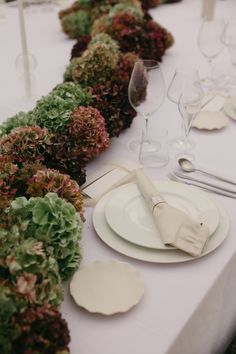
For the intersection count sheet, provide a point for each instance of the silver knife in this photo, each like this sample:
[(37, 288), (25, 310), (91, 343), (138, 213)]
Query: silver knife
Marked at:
[(210, 184), (200, 185)]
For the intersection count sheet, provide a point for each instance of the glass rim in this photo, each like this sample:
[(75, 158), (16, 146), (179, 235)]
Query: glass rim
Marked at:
[(155, 63)]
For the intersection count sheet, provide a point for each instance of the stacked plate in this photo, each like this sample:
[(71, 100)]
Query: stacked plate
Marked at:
[(123, 221)]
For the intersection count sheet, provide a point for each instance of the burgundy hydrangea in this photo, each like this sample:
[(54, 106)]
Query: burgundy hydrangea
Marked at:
[(111, 99), (64, 159), (25, 144), (80, 46), (8, 172), (87, 130), (50, 180), (144, 37), (125, 66), (40, 330)]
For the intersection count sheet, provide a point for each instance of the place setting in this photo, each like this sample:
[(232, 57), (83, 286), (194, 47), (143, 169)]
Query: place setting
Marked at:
[(123, 220)]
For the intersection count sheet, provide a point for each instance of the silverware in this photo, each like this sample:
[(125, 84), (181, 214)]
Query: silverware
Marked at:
[(210, 184), (175, 178), (187, 166)]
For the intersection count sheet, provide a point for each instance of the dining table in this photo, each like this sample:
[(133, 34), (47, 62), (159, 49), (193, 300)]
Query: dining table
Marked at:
[(187, 307)]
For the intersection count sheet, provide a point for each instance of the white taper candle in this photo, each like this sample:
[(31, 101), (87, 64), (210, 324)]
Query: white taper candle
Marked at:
[(24, 49)]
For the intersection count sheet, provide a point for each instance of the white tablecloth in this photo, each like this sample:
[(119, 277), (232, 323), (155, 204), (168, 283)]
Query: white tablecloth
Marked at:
[(187, 308)]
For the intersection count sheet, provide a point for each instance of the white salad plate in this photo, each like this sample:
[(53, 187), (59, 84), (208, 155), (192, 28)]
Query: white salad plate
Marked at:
[(128, 215), (107, 287), (230, 107), (114, 241)]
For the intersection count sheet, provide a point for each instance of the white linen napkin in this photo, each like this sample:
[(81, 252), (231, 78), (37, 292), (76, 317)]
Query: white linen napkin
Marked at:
[(176, 228)]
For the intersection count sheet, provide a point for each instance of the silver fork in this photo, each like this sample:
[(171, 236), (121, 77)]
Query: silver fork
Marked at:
[(203, 186)]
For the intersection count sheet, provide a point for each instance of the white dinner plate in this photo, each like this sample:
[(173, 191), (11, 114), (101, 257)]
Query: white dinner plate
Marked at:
[(128, 215), (110, 238), (230, 107), (107, 287)]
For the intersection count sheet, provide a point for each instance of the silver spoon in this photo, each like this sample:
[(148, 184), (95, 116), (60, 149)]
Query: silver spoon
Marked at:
[(187, 166)]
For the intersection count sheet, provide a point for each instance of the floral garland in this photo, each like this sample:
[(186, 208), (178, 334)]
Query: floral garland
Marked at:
[(43, 154)]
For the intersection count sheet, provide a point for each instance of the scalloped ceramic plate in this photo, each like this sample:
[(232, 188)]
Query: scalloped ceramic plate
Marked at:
[(107, 287), (230, 107), (210, 120)]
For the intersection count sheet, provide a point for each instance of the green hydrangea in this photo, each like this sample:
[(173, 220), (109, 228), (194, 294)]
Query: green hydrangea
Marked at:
[(73, 93), (76, 23), (106, 39), (55, 223), (53, 111), (124, 7), (67, 76), (30, 272), (21, 119), (95, 65)]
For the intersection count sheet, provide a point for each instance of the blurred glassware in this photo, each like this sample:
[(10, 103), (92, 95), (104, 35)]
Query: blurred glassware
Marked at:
[(229, 40), (210, 44), (158, 154), (190, 103), (146, 93), (175, 89)]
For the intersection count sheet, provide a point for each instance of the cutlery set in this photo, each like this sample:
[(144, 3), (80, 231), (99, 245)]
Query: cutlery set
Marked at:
[(184, 177)]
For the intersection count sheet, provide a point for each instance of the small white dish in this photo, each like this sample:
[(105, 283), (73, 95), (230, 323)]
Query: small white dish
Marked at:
[(111, 239), (107, 287), (230, 107), (128, 215), (210, 120)]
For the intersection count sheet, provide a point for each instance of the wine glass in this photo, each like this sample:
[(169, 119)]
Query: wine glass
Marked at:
[(210, 43), (229, 39), (189, 105), (175, 89), (146, 93)]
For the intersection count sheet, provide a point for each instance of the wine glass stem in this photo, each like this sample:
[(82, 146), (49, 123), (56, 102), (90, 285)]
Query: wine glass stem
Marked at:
[(145, 133), (209, 74)]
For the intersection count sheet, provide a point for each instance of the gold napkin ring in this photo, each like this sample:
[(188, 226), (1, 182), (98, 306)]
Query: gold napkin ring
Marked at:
[(155, 201)]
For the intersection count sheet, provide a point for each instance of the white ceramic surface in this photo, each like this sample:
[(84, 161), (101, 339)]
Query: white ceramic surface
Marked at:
[(210, 120), (153, 255), (128, 215), (107, 287), (230, 107)]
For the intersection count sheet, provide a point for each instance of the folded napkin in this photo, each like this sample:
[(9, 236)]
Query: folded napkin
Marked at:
[(109, 176), (176, 228)]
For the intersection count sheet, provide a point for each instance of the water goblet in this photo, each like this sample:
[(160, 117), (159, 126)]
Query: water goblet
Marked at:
[(174, 91), (189, 106), (146, 93), (229, 40), (210, 44)]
